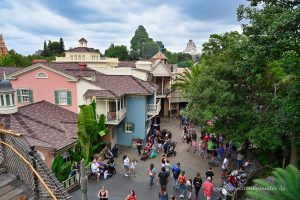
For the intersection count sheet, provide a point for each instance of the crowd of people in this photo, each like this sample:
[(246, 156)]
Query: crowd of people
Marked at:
[(207, 146)]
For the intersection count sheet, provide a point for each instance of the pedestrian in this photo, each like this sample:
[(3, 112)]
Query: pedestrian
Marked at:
[(239, 159), (95, 169), (202, 147), (131, 196), (225, 165), (176, 171), (132, 164), (163, 177), (151, 173), (159, 143), (210, 147), (163, 195), (173, 197), (103, 194), (168, 167), (182, 182), (220, 152), (208, 188), (139, 145), (189, 187), (209, 173), (194, 141), (197, 182), (188, 141), (153, 152), (126, 164)]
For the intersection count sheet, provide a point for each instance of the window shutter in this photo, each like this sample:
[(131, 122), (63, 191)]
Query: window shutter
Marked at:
[(30, 96), (56, 97), (19, 96), (133, 127), (69, 96)]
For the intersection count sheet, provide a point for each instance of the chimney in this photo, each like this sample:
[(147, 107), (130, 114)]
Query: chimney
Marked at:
[(35, 61), (82, 66)]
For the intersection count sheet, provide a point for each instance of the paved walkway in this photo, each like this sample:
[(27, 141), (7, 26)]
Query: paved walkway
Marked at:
[(119, 185)]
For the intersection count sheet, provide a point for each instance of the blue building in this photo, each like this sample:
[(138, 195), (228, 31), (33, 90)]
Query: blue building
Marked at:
[(128, 103)]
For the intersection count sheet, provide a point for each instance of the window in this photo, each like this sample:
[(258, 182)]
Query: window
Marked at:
[(62, 97), (7, 100), (129, 127), (75, 57), (24, 96), (2, 100), (42, 75), (71, 57), (79, 57), (83, 57)]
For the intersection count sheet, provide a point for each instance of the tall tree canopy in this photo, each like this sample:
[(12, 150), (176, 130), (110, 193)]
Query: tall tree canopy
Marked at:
[(116, 51), (250, 81)]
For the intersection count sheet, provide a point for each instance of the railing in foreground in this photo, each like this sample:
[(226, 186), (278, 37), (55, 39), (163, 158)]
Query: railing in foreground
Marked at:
[(20, 160)]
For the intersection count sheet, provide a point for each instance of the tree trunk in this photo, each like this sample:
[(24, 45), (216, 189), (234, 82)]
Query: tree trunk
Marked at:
[(294, 152)]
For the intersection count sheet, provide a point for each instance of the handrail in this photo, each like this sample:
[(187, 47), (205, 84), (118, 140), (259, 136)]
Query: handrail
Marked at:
[(9, 132), (32, 169)]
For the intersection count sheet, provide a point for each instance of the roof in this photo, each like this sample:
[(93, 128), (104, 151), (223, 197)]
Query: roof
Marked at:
[(8, 71), (123, 84), (130, 64), (83, 49), (100, 94), (159, 55), (82, 40), (71, 70), (43, 124), (5, 86)]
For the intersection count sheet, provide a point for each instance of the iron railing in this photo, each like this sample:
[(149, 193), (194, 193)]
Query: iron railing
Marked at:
[(24, 162)]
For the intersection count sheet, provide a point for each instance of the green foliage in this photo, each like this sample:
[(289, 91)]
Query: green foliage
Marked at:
[(55, 48), (60, 168), (89, 133), (161, 46), (250, 81), (285, 185), (140, 37), (116, 51), (149, 49)]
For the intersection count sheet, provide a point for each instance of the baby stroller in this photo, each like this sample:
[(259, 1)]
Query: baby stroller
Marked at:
[(146, 153), (171, 149)]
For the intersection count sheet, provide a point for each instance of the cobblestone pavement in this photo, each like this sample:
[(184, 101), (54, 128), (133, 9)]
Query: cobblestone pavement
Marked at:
[(119, 185)]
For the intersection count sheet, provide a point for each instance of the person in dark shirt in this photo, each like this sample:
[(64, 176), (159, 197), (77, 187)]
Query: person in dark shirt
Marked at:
[(209, 173), (163, 177), (197, 182)]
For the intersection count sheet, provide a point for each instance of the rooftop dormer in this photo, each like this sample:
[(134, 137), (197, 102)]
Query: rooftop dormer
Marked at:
[(82, 42), (7, 98)]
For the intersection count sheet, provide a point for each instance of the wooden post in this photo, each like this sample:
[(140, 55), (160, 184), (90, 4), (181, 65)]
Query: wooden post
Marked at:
[(83, 181)]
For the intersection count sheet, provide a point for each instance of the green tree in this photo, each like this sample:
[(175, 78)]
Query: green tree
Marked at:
[(183, 80), (89, 133), (45, 50), (116, 51), (161, 46), (140, 37), (61, 46), (149, 49), (60, 168), (285, 185)]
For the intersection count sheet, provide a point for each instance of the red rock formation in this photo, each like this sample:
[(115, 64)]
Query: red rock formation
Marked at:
[(3, 49)]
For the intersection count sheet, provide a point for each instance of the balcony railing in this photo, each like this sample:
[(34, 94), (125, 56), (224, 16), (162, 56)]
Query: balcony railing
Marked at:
[(159, 91), (116, 117), (99, 59), (153, 109)]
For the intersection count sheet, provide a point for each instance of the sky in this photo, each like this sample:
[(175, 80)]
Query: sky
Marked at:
[(25, 25)]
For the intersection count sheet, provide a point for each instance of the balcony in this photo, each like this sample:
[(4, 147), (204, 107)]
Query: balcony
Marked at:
[(160, 92), (116, 117), (153, 109)]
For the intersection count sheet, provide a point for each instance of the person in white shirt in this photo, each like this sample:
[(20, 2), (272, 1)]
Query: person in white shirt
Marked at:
[(126, 164), (225, 165), (95, 169)]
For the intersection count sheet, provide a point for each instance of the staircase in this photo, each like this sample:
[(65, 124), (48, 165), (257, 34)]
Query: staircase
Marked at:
[(11, 188)]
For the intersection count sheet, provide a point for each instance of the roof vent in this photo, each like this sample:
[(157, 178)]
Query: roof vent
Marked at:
[(82, 66), (35, 61)]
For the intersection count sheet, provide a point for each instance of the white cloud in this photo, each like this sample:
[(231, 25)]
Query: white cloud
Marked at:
[(28, 24)]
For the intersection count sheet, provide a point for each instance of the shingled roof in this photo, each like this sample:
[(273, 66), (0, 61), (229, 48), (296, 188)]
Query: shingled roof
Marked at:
[(8, 70), (83, 49), (130, 64), (43, 124)]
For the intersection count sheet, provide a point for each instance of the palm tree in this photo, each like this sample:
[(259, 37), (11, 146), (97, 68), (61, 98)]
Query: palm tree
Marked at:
[(183, 80), (286, 185)]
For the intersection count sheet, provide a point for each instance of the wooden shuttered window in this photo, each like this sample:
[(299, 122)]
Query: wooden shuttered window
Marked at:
[(63, 97), (25, 96), (69, 96), (56, 97), (19, 96), (30, 99)]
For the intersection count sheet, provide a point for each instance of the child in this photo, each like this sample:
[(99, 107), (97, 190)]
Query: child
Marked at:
[(202, 149), (153, 152), (189, 188), (132, 165)]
